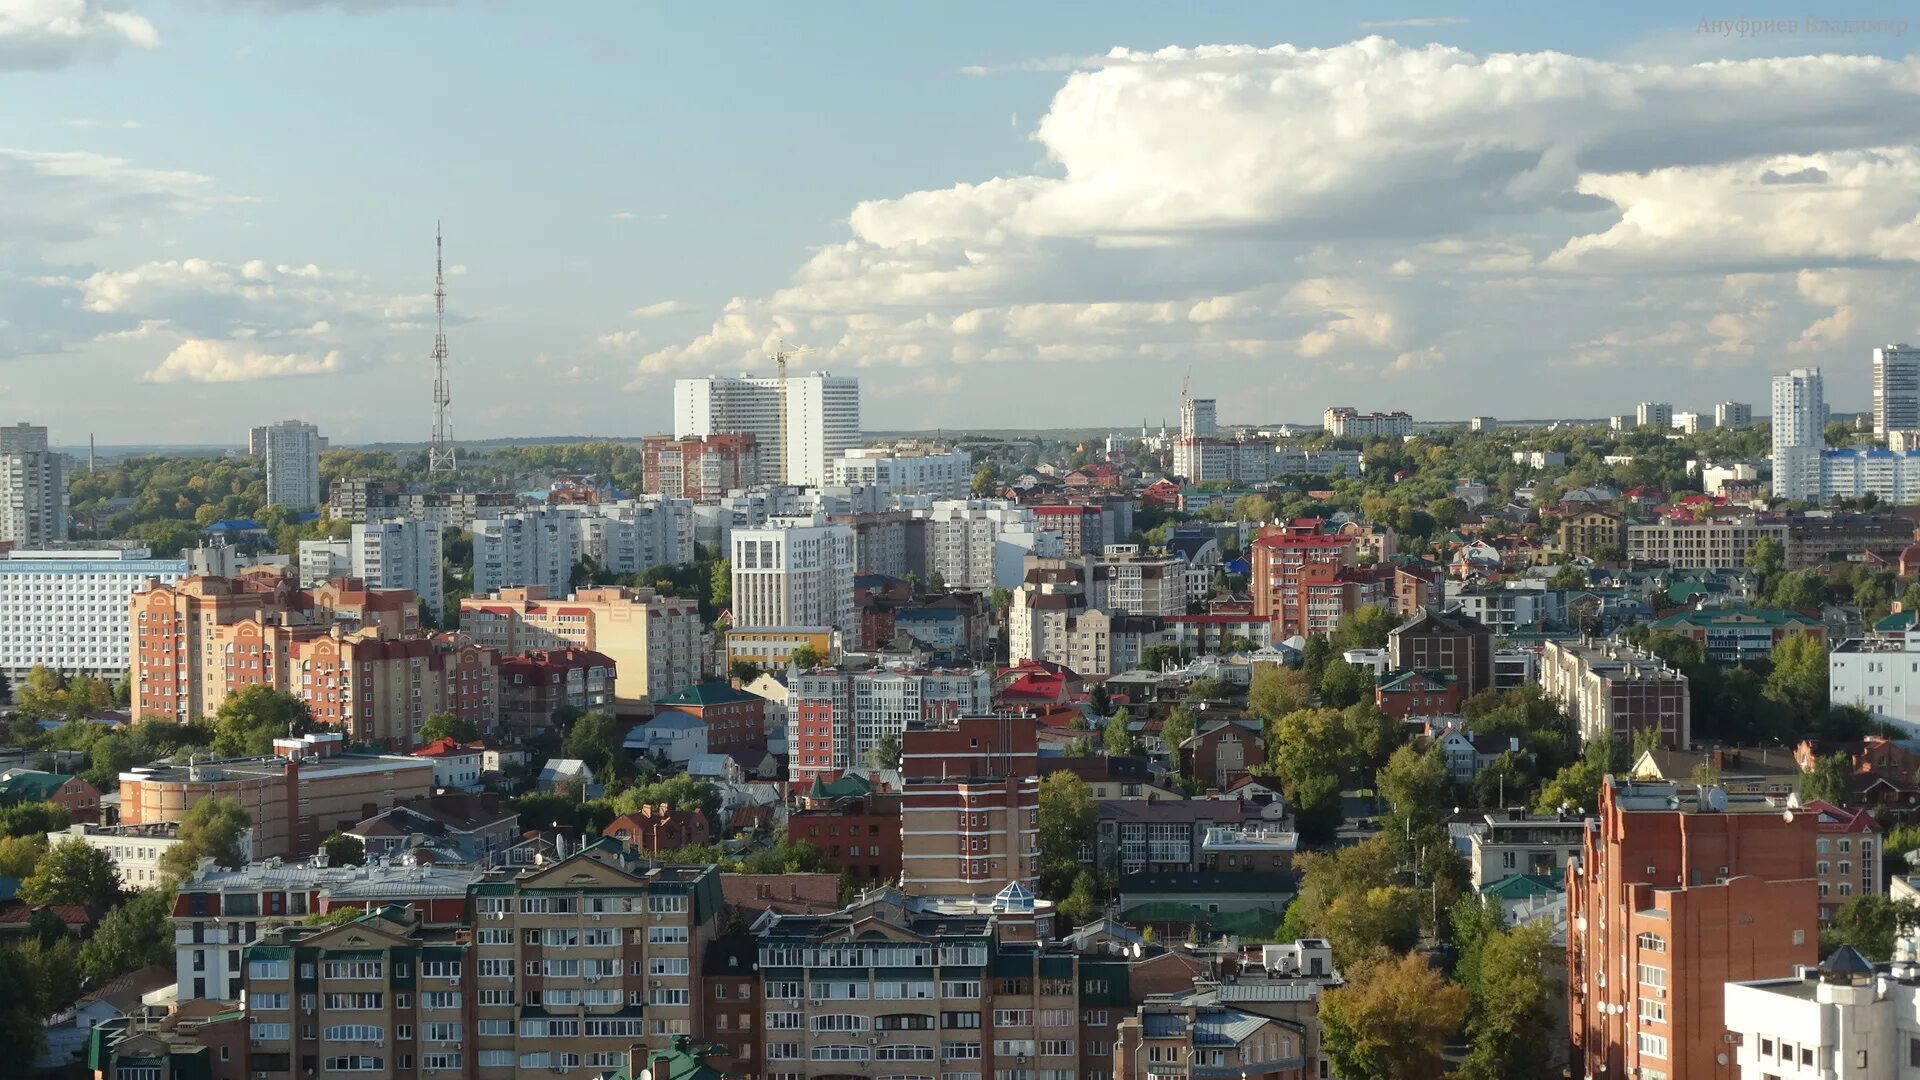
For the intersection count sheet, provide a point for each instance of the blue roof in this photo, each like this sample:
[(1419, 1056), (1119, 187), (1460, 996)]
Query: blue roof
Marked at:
[(235, 525), (305, 516)]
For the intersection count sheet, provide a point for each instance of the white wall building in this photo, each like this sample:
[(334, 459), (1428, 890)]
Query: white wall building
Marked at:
[(1345, 421), (320, 561), (1849, 474), (1715, 477), (1896, 389), (869, 706), (538, 547), (1653, 414), (68, 609), (1799, 433), (33, 488), (632, 535), (822, 419), (1733, 414), (1881, 676), (1123, 580), (982, 543), (1836, 1022), (137, 849), (401, 555), (794, 572), (1199, 418), (293, 464), (946, 474)]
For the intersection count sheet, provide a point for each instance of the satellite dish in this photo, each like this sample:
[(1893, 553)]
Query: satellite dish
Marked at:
[(1716, 798)]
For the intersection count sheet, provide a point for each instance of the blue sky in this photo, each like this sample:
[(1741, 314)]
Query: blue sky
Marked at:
[(222, 210)]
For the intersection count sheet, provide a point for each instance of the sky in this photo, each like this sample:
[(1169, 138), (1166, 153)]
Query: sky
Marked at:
[(217, 213)]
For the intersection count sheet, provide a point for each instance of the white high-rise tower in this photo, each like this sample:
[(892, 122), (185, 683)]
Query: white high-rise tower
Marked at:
[(1198, 418), (33, 488), (822, 419), (293, 464), (1799, 434), (1896, 389)]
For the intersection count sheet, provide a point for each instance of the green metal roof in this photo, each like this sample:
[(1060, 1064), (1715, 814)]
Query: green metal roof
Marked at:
[(707, 693), (1896, 622), (1523, 887), (32, 786), (1735, 616), (848, 784)]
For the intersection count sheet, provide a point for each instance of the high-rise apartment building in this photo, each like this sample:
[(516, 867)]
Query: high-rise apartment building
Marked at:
[(400, 555), (969, 823), (1671, 898), (982, 543), (700, 468), (293, 464), (1653, 414), (67, 609), (797, 439), (1198, 418), (1283, 586), (1733, 414), (632, 535), (33, 489), (1896, 389), (538, 547), (1124, 580), (653, 640), (835, 717), (1613, 691), (1799, 433), (794, 572), (1347, 422), (943, 474)]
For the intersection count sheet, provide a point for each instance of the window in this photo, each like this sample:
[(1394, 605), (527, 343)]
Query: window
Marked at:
[(355, 1064), (442, 1031), (968, 989), (271, 1032), (440, 999), (666, 965), (1056, 1047), (1656, 1045), (785, 1021), (440, 1061), (1013, 1018), (1650, 942), (353, 969), (669, 997), (960, 1020), (439, 969), (1650, 975), (666, 905), (839, 1022), (966, 1051), (352, 1002), (267, 1002), (354, 1033), (496, 1058), (784, 1051), (666, 935), (1653, 1011), (494, 1027)]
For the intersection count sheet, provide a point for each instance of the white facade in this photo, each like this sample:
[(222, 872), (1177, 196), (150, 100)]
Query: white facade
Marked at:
[(1690, 423), (136, 849), (822, 419), (458, 771), (1653, 414), (68, 609), (33, 488), (1849, 474), (1881, 676), (1715, 477), (1123, 580), (946, 475), (1198, 418), (794, 572), (401, 554), (1348, 422), (1540, 459), (539, 547), (321, 561), (1799, 433), (869, 706), (1814, 1026), (1733, 414), (293, 464), (982, 543), (1896, 389), (633, 535)]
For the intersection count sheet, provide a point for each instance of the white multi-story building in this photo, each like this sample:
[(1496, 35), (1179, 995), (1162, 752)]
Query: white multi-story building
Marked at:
[(1292, 461), (632, 535), (1347, 422), (1690, 423), (1653, 414), (1841, 1020), (320, 561), (822, 419), (1896, 389), (794, 572), (401, 555), (1198, 418), (538, 547), (137, 849), (1733, 414), (1710, 545), (978, 544), (33, 488), (1713, 477), (1123, 580), (1849, 474), (1881, 676), (835, 717), (67, 609), (1799, 433), (946, 474), (293, 464)]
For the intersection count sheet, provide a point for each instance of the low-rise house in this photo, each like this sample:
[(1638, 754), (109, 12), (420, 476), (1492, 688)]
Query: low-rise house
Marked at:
[(1401, 694), (565, 775), (657, 829), (1135, 836), (672, 736), (539, 683), (1737, 770), (456, 765), (1737, 635), (137, 849), (1198, 1038), (1509, 842), (1222, 751), (733, 718), (67, 1032), (447, 829), (1124, 777), (856, 827), (75, 793), (1248, 903)]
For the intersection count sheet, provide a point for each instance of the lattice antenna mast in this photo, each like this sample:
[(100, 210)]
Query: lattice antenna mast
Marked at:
[(442, 458)]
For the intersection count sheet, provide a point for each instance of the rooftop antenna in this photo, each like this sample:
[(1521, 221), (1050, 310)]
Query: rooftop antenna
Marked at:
[(441, 456)]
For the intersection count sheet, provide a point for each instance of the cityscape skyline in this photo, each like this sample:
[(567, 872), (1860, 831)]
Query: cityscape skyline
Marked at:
[(1054, 209)]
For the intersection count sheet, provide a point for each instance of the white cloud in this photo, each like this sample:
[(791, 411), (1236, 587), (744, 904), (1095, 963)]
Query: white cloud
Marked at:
[(200, 360), (64, 196), (46, 34), (655, 310)]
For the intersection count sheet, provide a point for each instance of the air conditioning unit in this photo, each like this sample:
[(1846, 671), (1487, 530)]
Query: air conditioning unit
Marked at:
[(596, 916), (655, 983)]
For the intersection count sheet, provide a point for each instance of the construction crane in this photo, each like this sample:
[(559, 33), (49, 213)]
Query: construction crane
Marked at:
[(782, 352)]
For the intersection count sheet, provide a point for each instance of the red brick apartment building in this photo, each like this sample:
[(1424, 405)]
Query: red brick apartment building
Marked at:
[(1295, 581)]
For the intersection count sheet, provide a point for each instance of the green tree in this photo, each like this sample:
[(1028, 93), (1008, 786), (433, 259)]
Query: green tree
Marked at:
[(1474, 920), (1067, 818), (1345, 684), (1366, 628), (34, 819), (720, 584), (1114, 735), (21, 1037), (446, 725), (1512, 1007), (598, 740), (983, 479), (1277, 690), (744, 671), (133, 935), (885, 753), (806, 658), (1798, 682), (1391, 1019), (1577, 785), (211, 829), (1871, 924), (71, 872), (1830, 780), (1176, 729), (679, 791), (20, 854), (1314, 657), (1768, 557), (1384, 916), (1568, 577), (251, 718), (1083, 903), (1416, 785), (344, 850), (339, 916)]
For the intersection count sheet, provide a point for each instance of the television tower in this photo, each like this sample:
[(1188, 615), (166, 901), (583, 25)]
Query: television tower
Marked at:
[(441, 456)]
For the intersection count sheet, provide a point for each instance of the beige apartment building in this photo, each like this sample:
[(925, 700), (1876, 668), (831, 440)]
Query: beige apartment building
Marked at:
[(1610, 689), (1708, 546), (654, 640), (562, 968), (969, 814)]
